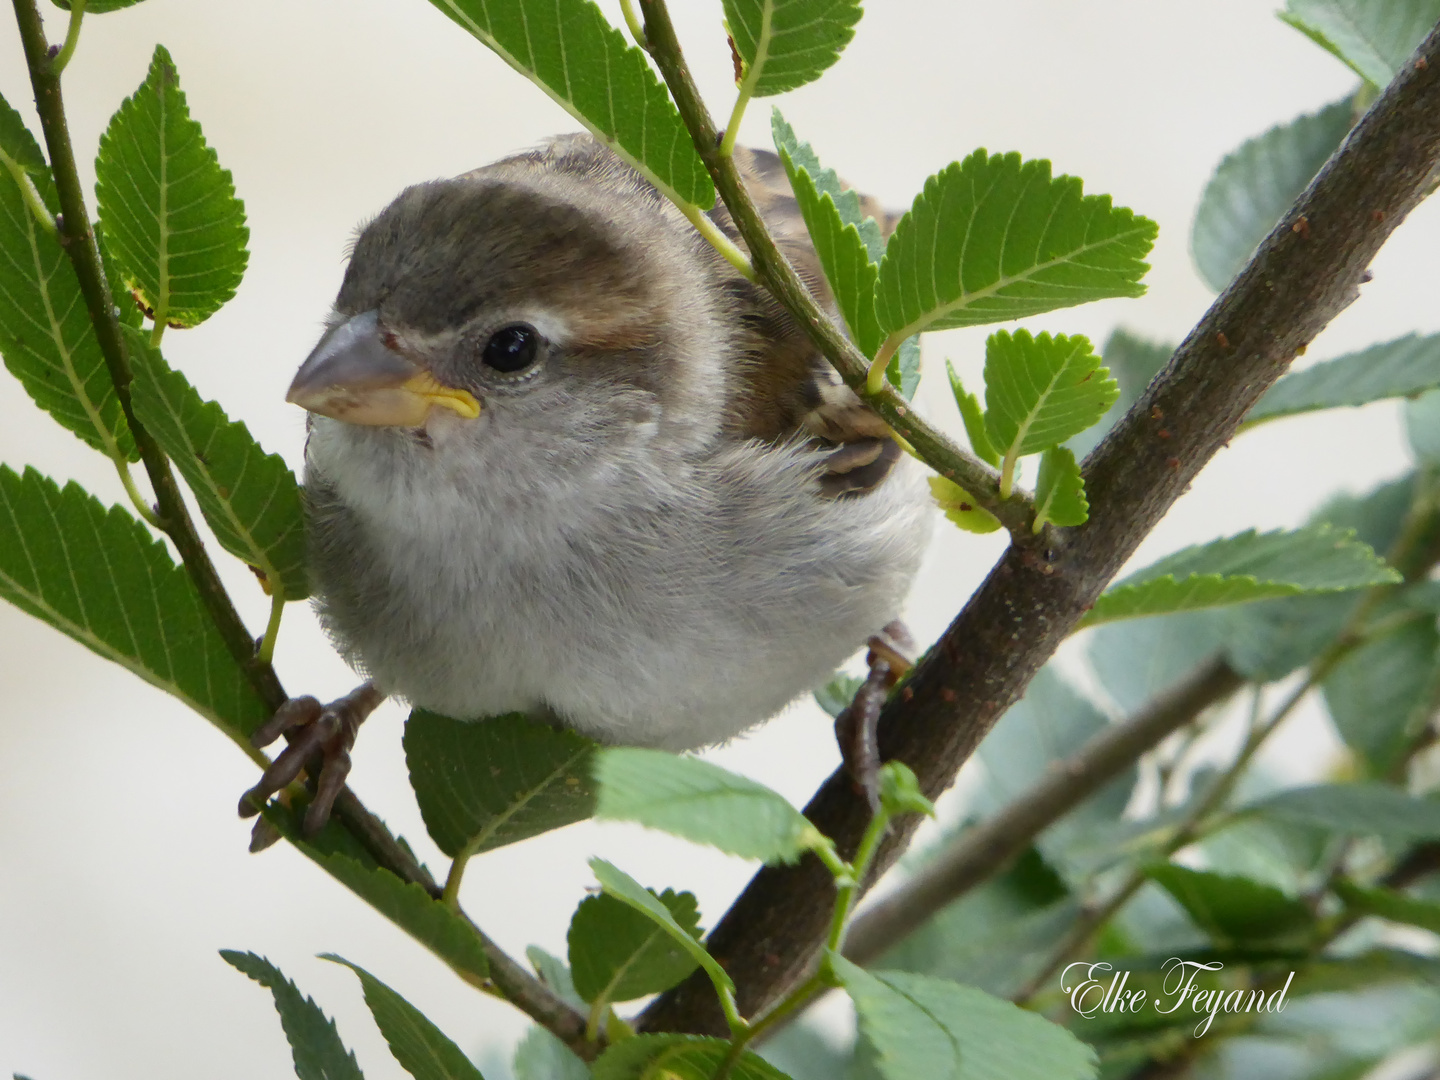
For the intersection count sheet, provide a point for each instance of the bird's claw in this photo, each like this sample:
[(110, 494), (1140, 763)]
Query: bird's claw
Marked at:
[(315, 731), (856, 728)]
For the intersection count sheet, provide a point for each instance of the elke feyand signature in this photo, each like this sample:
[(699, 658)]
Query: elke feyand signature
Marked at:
[(1090, 995)]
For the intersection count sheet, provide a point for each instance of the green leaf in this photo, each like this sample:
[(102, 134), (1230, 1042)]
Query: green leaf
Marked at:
[(552, 971), (1134, 661), (837, 694), (169, 210), (483, 784), (677, 1057), (98, 7), (960, 507), (618, 954), (1382, 694), (1060, 490), (541, 1056), (1236, 910), (1389, 904), (1250, 566), (1257, 183), (847, 243), (1358, 809), (428, 920), (100, 577), (1134, 362), (249, 498), (569, 50), (973, 417), (924, 1027), (418, 1045), (1422, 427), (1401, 368), (788, 43), (630, 892), (991, 239), (903, 371), (1374, 37), (701, 802), (314, 1043), (45, 333), (1040, 391)]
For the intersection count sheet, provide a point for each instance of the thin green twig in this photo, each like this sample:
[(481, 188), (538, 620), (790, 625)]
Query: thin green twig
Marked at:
[(28, 194), (72, 38)]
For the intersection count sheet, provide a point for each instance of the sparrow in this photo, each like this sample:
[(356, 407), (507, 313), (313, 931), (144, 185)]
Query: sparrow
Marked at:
[(564, 459)]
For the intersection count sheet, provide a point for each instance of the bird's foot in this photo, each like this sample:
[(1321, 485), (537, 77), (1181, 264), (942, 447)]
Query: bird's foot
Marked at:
[(856, 726), (315, 731)]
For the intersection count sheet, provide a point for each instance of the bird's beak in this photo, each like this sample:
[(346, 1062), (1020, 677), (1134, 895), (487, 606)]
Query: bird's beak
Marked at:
[(353, 376)]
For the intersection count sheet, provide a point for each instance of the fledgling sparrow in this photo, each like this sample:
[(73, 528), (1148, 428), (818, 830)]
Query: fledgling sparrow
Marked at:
[(563, 459)]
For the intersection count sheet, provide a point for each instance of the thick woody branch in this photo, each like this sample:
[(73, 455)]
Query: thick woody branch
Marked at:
[(1305, 272), (984, 850)]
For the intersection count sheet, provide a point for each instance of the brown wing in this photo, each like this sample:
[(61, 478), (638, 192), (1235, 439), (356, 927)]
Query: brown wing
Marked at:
[(795, 390)]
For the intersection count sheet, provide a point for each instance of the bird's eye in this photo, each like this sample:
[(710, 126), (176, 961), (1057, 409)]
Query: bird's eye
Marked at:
[(512, 348)]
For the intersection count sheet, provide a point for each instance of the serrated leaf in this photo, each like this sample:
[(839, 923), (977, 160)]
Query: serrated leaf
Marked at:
[(315, 1045), (960, 507), (973, 416), (992, 238), (1235, 909), (1039, 391), (486, 783), (1257, 183), (939, 1030), (630, 892), (1382, 694), (1358, 809), (570, 51), (1059, 490), (1134, 362), (837, 694), (617, 954), (428, 920), (249, 498), (1250, 566), (171, 218), (1401, 368), (1374, 37), (99, 576), (788, 43), (701, 802), (847, 243), (677, 1057), (541, 1056), (418, 1045), (45, 333), (1422, 427)]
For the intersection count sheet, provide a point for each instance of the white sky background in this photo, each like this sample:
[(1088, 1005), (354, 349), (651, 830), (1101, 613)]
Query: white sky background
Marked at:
[(122, 865)]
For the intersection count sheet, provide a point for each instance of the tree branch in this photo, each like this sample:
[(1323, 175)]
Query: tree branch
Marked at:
[(987, 848), (1304, 273)]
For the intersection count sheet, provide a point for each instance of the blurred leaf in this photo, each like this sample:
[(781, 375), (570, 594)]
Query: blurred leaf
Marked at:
[(1059, 490), (428, 920), (618, 954), (1358, 809), (483, 784), (314, 1043), (903, 371), (837, 694), (1133, 362), (418, 1045), (572, 53), (1238, 569), (1422, 427), (701, 802), (541, 1056), (843, 236), (553, 972), (991, 239), (249, 498), (1389, 904), (45, 333), (788, 43), (677, 1057), (98, 7), (1381, 695), (1235, 909), (1137, 659), (99, 576), (960, 507), (1256, 184), (171, 218), (1374, 37), (801, 1051), (924, 1027), (1400, 368), (973, 417), (627, 890)]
